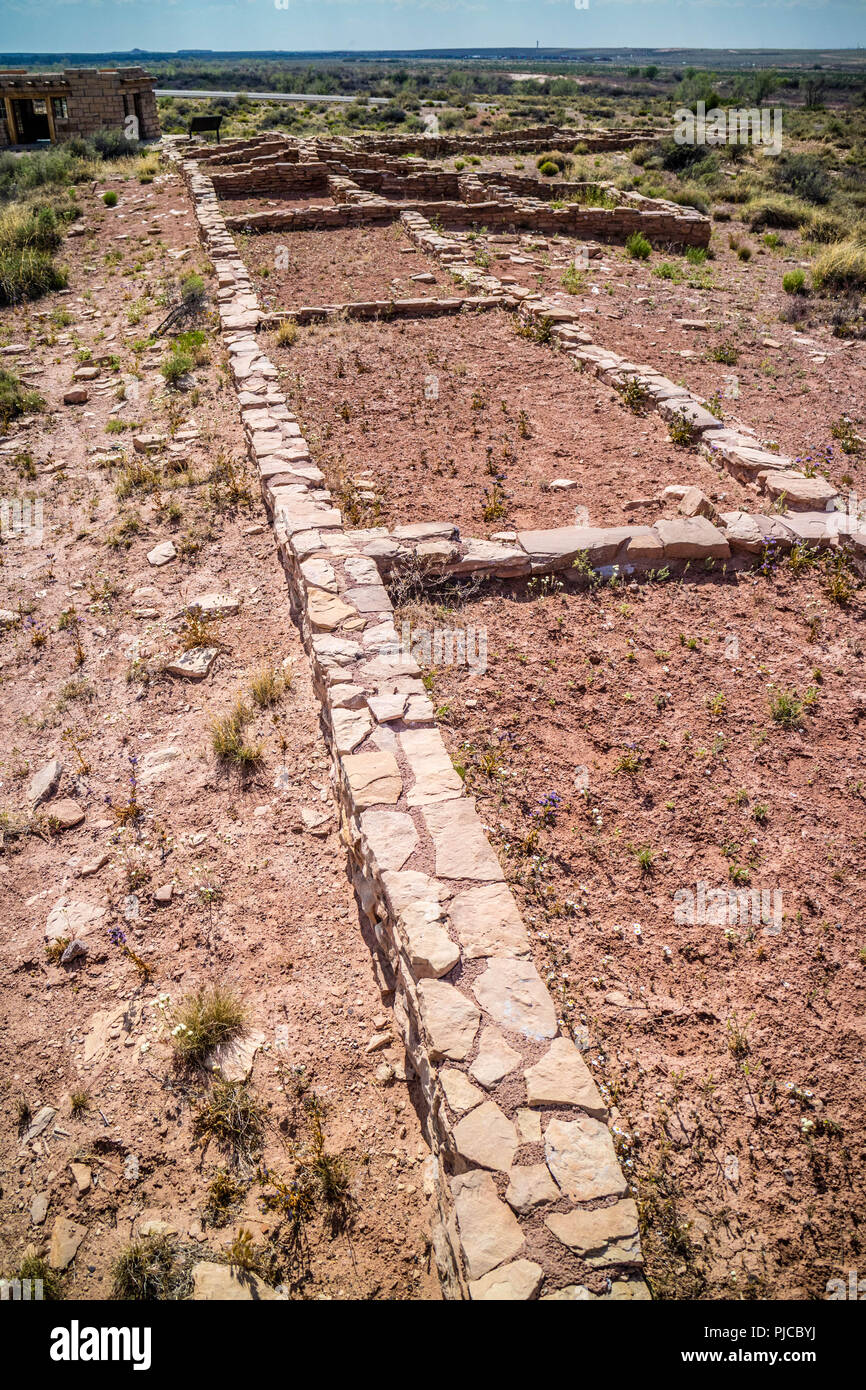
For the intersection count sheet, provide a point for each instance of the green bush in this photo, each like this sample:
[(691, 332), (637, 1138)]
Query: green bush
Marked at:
[(110, 198), (548, 169), (638, 247), (775, 210), (794, 282), (176, 366), (804, 176), (15, 399)]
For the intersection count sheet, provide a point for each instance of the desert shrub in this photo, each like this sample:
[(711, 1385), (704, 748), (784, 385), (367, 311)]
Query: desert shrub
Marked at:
[(110, 198), (638, 247), (775, 210), (804, 176), (841, 266), (176, 366), (794, 282), (15, 399), (548, 169), (825, 227), (28, 274), (149, 1270)]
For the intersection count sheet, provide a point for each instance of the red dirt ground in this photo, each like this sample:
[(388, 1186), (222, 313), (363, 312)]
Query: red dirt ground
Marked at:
[(523, 405), (732, 1057), (259, 900)]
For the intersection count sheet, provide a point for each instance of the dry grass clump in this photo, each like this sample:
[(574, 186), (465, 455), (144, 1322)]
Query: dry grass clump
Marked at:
[(204, 1020), (150, 1270), (233, 1118), (228, 741), (268, 686), (840, 266)]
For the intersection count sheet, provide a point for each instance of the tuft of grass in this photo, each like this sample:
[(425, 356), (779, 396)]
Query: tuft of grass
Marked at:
[(786, 709), (267, 686), (79, 1103), (841, 266), (227, 738), (794, 282), (233, 1119), (224, 1192), (150, 1271), (34, 1267), (287, 333), (16, 399), (110, 198), (204, 1020)]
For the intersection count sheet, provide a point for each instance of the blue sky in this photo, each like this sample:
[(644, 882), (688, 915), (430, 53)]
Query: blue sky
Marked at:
[(100, 25)]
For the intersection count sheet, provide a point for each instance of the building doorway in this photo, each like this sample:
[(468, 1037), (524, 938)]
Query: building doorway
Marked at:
[(30, 115)]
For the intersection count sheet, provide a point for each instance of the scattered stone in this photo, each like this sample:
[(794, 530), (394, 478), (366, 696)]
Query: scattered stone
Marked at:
[(193, 665), (235, 1059), (162, 554), (71, 919), (163, 895), (39, 1208), (214, 606), (81, 1174), (696, 503), (40, 1122), (74, 951), (45, 783), (79, 395), (529, 1125), (66, 1236), (65, 814), (226, 1283)]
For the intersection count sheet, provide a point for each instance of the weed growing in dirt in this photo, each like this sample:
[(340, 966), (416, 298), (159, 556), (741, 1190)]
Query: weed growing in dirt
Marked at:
[(150, 1270), (79, 1103), (681, 431), (267, 686), (35, 1267), (638, 247), (15, 399), (210, 1017), (634, 395), (233, 1119), (227, 738), (224, 1192)]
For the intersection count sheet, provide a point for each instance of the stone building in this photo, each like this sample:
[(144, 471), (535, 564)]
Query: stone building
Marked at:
[(54, 106)]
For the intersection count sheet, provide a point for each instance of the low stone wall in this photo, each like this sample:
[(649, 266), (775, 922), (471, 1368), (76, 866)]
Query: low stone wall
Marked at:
[(811, 502), (532, 1200), (272, 178)]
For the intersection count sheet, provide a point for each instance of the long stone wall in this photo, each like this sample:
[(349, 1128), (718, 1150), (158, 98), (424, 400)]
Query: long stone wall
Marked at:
[(532, 1200)]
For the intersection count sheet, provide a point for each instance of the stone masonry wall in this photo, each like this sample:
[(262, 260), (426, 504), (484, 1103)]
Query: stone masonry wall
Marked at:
[(532, 1201)]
